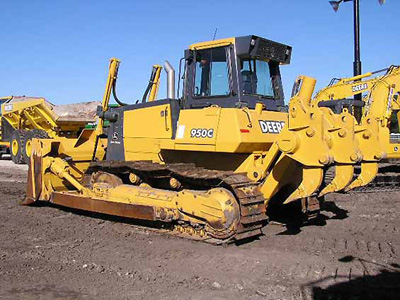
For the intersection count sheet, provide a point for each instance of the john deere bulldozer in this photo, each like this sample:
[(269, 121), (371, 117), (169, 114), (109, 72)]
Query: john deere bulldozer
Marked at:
[(211, 162)]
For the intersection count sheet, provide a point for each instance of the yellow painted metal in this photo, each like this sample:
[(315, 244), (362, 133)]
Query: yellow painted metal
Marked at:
[(161, 126), (285, 153), (368, 173), (304, 138), (240, 130), (14, 147), (344, 88), (302, 142), (311, 181), (343, 177), (28, 147), (156, 83), (111, 79), (30, 114), (277, 178), (81, 150), (381, 97), (295, 154), (60, 168), (217, 206), (306, 89), (340, 135), (212, 44), (36, 113)]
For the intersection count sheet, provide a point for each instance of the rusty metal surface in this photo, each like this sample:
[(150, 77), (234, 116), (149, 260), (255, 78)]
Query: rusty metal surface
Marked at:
[(251, 201), (37, 173), (105, 207), (34, 183), (30, 185), (101, 177)]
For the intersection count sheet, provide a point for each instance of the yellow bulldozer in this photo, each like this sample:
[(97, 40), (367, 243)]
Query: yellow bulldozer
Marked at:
[(211, 162)]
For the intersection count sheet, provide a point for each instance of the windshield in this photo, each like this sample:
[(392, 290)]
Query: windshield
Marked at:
[(256, 78)]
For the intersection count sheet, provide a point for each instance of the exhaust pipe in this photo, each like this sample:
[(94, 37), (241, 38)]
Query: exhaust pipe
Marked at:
[(170, 80)]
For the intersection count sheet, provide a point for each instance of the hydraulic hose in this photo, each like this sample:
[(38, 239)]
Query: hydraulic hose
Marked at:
[(151, 81), (114, 92)]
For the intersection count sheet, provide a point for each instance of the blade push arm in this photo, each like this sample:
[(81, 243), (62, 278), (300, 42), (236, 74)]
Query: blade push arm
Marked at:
[(154, 82), (111, 79)]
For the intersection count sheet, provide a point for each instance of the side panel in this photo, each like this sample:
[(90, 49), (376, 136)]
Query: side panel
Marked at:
[(150, 122), (147, 131), (144, 128), (140, 129), (197, 129), (227, 130), (245, 131)]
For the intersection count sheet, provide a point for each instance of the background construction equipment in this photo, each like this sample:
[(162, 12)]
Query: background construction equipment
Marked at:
[(25, 118)]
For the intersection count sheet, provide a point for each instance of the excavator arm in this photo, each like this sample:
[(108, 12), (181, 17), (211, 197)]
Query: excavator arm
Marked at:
[(381, 93), (342, 88)]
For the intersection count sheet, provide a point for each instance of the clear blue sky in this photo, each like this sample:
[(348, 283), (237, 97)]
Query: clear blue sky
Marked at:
[(59, 49)]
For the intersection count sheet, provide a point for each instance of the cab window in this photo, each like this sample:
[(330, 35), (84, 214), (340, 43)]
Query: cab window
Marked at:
[(212, 73), (256, 78)]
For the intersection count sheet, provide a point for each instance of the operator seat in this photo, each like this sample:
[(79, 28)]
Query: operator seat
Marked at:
[(249, 80)]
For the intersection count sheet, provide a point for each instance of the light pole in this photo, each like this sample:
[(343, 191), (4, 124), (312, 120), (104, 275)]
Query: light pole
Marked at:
[(357, 56)]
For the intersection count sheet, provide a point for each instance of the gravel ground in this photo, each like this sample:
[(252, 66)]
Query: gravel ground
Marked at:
[(47, 252)]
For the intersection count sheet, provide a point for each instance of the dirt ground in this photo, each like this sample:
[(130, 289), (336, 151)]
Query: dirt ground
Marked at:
[(52, 253)]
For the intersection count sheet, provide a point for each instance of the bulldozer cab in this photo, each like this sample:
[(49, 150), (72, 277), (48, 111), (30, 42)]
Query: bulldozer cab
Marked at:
[(230, 73), (235, 72)]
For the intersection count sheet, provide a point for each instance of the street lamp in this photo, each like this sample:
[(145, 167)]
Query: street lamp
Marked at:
[(335, 4), (357, 60)]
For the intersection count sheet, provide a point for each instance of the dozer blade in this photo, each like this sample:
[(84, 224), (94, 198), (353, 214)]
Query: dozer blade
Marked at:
[(312, 179), (343, 176), (368, 173)]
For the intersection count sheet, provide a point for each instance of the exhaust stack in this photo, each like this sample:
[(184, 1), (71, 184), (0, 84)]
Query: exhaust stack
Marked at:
[(170, 80)]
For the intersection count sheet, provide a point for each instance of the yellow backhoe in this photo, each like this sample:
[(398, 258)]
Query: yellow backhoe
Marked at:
[(211, 162)]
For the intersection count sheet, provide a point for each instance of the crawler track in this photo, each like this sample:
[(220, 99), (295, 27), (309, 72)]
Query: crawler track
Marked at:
[(251, 201), (387, 179)]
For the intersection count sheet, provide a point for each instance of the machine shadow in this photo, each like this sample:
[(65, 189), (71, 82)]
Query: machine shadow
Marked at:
[(384, 285), (294, 219)]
